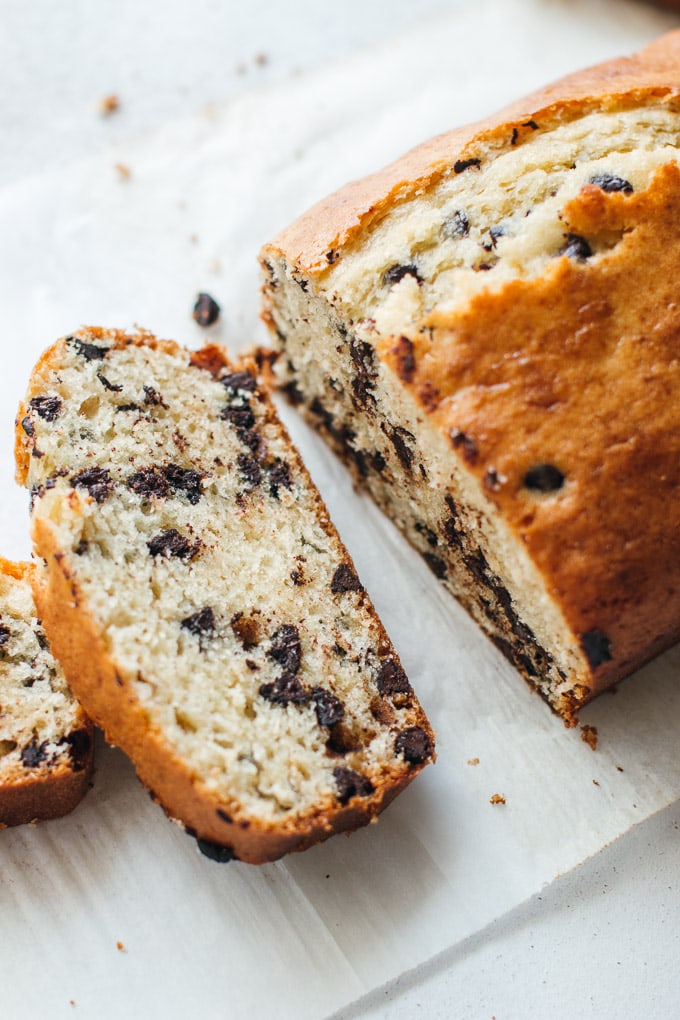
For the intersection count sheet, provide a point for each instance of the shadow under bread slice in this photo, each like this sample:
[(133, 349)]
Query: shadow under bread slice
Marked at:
[(201, 600), (46, 747)]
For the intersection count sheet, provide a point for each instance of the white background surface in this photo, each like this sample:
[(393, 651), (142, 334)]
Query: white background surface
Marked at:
[(602, 940)]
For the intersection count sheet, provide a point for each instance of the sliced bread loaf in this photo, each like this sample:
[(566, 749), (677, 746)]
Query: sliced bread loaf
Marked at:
[(488, 331), (45, 736), (201, 601)]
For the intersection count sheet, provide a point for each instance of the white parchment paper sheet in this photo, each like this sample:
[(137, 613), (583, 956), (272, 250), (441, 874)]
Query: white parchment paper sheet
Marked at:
[(303, 937)]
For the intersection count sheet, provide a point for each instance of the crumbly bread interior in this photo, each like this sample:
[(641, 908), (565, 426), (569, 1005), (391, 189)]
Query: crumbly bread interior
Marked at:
[(203, 555), (497, 216), (41, 723)]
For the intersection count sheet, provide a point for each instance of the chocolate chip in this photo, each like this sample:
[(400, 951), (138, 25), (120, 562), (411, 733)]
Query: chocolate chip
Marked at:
[(297, 577), (576, 247), (251, 471), (543, 478), (239, 381), (148, 482), (171, 543), (285, 648), (427, 533), (223, 815), (112, 387), (96, 480), (406, 363), (344, 579), (5, 634), (82, 547), (436, 565), (351, 784), (128, 407), (201, 623), (331, 257), (33, 754), (392, 679), (464, 164), (206, 310), (88, 351), (47, 407), (363, 382), (402, 440), (153, 398), (246, 629), (597, 647), (278, 473), (457, 225), (215, 851), (397, 272), (239, 417), (609, 182), (466, 444), (28, 426), (184, 480), (329, 709), (79, 744), (414, 745), (286, 689), (530, 124)]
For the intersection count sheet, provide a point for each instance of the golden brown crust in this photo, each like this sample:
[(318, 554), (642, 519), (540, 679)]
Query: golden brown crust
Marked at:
[(51, 793), (314, 241), (114, 706)]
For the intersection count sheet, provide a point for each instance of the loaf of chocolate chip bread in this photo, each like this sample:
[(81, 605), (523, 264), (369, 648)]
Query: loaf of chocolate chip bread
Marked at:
[(488, 332), (45, 736), (201, 602)]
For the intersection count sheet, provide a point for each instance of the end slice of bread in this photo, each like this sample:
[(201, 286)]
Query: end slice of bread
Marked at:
[(201, 601), (45, 737)]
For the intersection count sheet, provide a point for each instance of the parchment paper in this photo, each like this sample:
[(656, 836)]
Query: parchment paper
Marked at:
[(302, 937)]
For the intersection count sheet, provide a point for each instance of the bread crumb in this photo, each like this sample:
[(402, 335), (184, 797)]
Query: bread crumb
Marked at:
[(595, 782), (71, 1002), (262, 59), (497, 798), (473, 761), (619, 768), (123, 171), (108, 105), (120, 947), (589, 736)]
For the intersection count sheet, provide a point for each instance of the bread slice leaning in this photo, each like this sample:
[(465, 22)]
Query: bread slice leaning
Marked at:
[(46, 748), (487, 331), (202, 603)]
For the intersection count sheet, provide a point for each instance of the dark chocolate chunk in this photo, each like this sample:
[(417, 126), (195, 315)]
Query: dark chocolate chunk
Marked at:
[(5, 634), (206, 310), (28, 426), (239, 381), (464, 164), (201, 623), (82, 547), (112, 387), (297, 577), (184, 480), (406, 363), (223, 815), (530, 124), (609, 182), (427, 533), (149, 482), (285, 690), (79, 743), (363, 382), (344, 579), (128, 407), (402, 441), (171, 543), (597, 647), (351, 784), (329, 709), (47, 407), (153, 398), (436, 564), (88, 351), (543, 478), (96, 480), (397, 272), (331, 257), (285, 648), (576, 247), (33, 754), (278, 473), (250, 469), (392, 679), (215, 852), (414, 745), (457, 225), (239, 417), (466, 444)]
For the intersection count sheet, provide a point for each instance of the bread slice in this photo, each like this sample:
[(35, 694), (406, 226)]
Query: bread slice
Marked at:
[(45, 737), (487, 331), (201, 601)]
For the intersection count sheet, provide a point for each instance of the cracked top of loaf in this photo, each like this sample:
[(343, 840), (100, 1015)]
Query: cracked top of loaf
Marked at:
[(519, 278)]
